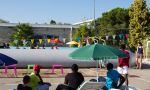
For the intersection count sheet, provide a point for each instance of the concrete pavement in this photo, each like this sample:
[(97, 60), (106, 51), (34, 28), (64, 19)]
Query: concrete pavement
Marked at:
[(137, 78)]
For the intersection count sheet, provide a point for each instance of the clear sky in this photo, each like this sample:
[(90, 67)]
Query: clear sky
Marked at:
[(68, 11)]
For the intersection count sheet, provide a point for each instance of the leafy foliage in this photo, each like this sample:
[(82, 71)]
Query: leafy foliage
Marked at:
[(113, 21), (23, 31), (52, 22), (83, 31), (110, 23), (138, 26)]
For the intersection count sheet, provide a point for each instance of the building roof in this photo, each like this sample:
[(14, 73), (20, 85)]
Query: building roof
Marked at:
[(39, 25), (84, 22)]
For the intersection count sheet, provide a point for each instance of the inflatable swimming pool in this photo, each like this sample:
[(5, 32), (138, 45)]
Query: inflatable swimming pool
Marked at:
[(47, 57)]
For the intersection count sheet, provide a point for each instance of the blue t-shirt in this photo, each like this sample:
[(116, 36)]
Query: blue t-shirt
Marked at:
[(112, 76)]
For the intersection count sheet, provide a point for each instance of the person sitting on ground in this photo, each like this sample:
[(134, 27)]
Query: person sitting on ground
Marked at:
[(36, 81), (7, 45), (24, 86), (43, 45), (72, 80), (32, 46), (37, 47), (4, 45), (112, 78)]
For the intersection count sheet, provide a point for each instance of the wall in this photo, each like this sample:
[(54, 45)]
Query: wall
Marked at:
[(6, 31), (5, 34)]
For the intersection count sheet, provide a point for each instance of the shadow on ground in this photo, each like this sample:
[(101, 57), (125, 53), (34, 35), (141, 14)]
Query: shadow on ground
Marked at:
[(146, 66)]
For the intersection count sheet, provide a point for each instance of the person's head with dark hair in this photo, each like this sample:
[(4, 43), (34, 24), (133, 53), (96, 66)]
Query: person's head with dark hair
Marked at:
[(123, 46), (4, 45), (140, 44), (109, 66), (74, 68), (26, 79)]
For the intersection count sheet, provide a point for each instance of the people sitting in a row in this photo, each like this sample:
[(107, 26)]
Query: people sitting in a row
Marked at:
[(35, 81), (36, 46), (72, 80), (5, 45)]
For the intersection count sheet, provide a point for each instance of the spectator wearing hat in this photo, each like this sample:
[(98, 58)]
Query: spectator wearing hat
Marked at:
[(36, 81)]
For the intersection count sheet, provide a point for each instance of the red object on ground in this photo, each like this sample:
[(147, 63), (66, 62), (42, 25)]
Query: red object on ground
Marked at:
[(58, 66), (15, 70)]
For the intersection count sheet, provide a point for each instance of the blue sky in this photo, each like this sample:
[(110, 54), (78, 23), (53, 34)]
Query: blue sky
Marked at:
[(68, 11)]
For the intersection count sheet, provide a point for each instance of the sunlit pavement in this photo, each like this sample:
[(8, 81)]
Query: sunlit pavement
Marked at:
[(137, 78)]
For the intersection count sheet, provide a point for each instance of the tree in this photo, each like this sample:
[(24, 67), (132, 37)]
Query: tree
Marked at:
[(113, 21), (23, 31), (138, 26), (52, 22), (82, 31)]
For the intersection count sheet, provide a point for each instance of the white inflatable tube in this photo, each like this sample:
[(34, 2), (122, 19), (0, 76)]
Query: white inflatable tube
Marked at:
[(47, 57)]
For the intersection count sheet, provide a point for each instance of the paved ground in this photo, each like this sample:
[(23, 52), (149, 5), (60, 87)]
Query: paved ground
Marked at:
[(137, 78)]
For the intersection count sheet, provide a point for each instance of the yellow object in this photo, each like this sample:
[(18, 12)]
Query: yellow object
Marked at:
[(48, 40), (92, 38), (56, 39), (32, 41), (79, 45), (72, 42), (40, 40), (34, 81), (29, 67)]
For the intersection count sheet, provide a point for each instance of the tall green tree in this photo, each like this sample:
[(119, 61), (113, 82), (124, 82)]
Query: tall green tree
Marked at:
[(138, 26), (22, 31), (113, 21)]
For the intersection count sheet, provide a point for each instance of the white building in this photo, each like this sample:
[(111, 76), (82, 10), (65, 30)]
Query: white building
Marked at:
[(42, 30)]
